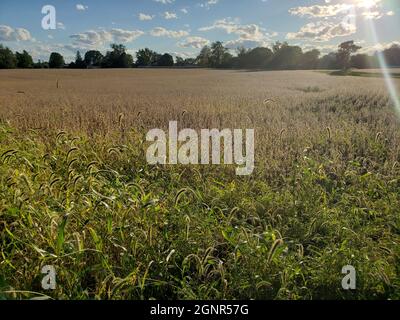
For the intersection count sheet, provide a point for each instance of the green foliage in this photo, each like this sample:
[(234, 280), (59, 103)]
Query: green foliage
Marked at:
[(56, 60), (7, 58), (117, 58), (166, 60), (93, 58), (346, 49), (24, 60), (116, 228)]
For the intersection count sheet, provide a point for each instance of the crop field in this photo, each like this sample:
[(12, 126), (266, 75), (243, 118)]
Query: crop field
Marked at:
[(76, 191)]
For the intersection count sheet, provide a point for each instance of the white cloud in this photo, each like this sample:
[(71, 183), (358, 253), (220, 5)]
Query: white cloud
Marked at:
[(8, 33), (321, 11), (165, 1), (170, 15), (323, 31), (372, 15), (378, 47), (145, 17), (101, 37), (194, 42), (250, 35), (61, 26), (81, 7), (162, 32), (208, 4)]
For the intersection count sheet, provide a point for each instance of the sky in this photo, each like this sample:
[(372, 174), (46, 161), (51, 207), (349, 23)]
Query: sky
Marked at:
[(183, 27)]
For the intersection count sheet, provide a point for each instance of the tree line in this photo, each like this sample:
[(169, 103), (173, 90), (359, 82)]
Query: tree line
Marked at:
[(281, 56)]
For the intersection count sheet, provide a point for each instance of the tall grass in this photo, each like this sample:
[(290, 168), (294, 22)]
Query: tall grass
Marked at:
[(77, 192)]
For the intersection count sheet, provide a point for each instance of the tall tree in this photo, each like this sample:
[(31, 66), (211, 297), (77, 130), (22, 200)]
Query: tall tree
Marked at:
[(204, 58), (346, 49), (117, 58), (7, 58), (166, 60), (392, 55), (56, 60), (310, 59), (79, 63), (218, 56), (286, 56), (256, 58), (146, 57), (93, 58), (24, 60)]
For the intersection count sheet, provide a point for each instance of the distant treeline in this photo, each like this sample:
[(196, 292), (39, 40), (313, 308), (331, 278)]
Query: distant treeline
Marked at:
[(281, 56)]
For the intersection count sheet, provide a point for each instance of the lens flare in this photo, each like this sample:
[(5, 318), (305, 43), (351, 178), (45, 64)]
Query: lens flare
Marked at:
[(385, 69)]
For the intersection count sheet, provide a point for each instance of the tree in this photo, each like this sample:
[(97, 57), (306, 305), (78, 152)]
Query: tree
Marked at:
[(56, 60), (41, 65), (310, 59), (255, 58), (166, 60), (180, 62), (7, 58), (204, 58), (117, 58), (146, 57), (328, 62), (392, 55), (218, 54), (79, 63), (362, 61), (93, 58), (24, 60), (344, 54), (286, 56)]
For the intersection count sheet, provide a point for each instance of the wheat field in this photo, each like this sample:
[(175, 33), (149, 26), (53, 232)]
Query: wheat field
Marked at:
[(77, 192)]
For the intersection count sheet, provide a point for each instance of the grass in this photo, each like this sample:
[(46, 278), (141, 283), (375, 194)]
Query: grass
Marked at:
[(367, 74), (80, 195)]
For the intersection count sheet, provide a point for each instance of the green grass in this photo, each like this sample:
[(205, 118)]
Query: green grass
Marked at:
[(117, 228)]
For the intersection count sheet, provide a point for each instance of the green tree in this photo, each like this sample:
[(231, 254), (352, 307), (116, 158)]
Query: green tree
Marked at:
[(166, 60), (93, 58), (328, 62), (346, 49), (56, 60), (285, 56), (8, 59), (218, 54), (310, 59), (363, 61), (146, 57), (256, 58), (204, 58), (24, 60), (117, 58), (79, 62), (392, 55)]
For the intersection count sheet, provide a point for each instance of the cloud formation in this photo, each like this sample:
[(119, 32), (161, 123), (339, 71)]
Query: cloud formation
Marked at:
[(162, 32), (8, 33), (101, 37)]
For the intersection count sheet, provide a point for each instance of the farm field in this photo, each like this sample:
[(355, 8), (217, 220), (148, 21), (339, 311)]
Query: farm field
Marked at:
[(77, 192)]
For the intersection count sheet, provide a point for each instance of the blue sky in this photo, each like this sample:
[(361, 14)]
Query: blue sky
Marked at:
[(182, 27)]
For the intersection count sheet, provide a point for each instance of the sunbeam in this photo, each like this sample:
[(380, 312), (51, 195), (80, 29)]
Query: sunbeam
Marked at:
[(382, 61)]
